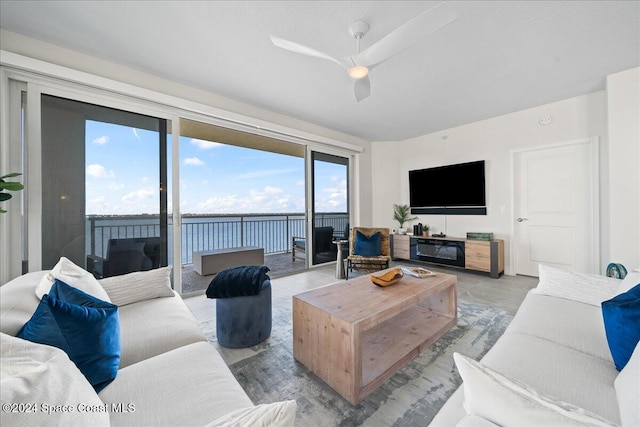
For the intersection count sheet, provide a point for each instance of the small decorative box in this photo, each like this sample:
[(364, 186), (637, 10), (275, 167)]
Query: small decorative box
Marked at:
[(480, 236)]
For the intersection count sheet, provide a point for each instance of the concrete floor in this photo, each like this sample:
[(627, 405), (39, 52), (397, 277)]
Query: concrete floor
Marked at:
[(505, 293)]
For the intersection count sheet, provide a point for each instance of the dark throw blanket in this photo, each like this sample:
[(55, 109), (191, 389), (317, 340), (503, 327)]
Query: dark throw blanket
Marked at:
[(238, 282)]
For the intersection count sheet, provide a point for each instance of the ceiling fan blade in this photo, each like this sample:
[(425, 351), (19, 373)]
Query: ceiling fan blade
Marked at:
[(362, 88), (407, 35), (304, 50)]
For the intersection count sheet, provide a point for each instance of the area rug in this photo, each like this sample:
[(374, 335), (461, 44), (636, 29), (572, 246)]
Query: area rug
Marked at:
[(411, 397)]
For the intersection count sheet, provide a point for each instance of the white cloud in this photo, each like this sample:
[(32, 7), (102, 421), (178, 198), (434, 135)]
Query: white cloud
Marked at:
[(268, 200), (205, 145), (193, 161), (135, 133), (98, 171), (101, 140), (139, 195), (116, 186)]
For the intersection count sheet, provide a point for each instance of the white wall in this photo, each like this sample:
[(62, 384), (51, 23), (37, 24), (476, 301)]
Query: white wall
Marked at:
[(492, 140), (623, 107)]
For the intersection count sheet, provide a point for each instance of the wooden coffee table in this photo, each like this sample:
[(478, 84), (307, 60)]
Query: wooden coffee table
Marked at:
[(354, 335)]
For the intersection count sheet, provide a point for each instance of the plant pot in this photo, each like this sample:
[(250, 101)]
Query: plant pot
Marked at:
[(425, 234), (402, 230)]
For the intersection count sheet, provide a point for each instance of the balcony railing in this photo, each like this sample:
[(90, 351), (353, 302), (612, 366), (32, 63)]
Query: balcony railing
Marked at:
[(272, 232)]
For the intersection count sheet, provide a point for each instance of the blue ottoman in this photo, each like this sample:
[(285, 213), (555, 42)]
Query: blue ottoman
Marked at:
[(244, 321)]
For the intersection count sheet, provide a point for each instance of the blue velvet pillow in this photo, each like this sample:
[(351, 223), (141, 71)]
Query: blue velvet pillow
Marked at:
[(367, 246), (85, 327), (622, 324)]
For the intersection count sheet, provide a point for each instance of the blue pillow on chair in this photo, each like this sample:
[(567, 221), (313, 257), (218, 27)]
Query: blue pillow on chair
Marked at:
[(85, 327), (367, 246), (622, 324)]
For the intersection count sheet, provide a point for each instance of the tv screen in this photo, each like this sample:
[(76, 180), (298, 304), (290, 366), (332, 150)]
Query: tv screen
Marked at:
[(459, 185)]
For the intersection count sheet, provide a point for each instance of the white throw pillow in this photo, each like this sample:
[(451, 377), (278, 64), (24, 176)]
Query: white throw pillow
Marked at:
[(34, 378), (586, 288), (505, 402), (72, 275), (278, 414), (138, 286), (631, 280), (627, 386)]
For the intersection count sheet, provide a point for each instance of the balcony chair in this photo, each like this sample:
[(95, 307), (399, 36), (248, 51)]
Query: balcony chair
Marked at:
[(322, 243), (126, 256), (369, 250)]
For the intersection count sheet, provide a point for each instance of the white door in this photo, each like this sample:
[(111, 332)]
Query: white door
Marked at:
[(554, 204)]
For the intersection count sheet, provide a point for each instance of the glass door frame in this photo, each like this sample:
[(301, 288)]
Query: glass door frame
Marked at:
[(35, 88), (310, 197)]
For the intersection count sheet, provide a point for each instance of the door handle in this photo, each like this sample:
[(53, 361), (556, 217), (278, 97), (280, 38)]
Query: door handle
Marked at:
[(522, 219)]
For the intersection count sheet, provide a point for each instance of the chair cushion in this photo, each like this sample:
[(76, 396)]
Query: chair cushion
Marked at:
[(86, 328), (367, 246)]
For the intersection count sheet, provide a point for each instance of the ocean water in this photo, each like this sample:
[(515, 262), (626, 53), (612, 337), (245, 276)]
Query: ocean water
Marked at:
[(271, 232)]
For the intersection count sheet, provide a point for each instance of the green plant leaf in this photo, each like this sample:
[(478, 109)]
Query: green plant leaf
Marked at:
[(10, 175), (11, 186), (4, 196)]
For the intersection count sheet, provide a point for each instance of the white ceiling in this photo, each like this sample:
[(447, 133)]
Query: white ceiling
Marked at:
[(497, 57)]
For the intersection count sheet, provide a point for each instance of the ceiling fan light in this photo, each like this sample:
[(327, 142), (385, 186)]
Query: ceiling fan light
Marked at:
[(358, 72)]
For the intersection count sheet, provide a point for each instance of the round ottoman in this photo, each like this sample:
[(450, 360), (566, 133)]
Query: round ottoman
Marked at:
[(244, 321)]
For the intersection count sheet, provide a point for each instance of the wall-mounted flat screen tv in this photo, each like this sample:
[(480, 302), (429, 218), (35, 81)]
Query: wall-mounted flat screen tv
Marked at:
[(452, 186)]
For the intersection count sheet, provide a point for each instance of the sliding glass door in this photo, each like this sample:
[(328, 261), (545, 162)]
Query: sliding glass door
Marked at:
[(330, 205), (104, 181)]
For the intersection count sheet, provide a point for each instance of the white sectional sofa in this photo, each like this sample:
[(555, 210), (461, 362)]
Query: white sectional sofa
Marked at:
[(553, 365), (168, 375)]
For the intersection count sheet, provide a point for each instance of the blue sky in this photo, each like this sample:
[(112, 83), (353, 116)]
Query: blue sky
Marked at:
[(122, 176)]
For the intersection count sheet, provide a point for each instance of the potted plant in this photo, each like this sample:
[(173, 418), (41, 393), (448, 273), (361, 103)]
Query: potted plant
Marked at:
[(425, 230), (402, 214), (8, 186)]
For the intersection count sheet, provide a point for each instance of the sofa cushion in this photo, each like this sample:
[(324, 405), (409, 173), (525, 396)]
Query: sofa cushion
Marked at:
[(582, 327), (73, 275), (560, 372), (19, 301), (622, 324), (277, 414), (627, 386), (505, 402), (86, 328), (138, 286), (39, 377), (152, 327), (188, 386), (630, 281), (587, 288)]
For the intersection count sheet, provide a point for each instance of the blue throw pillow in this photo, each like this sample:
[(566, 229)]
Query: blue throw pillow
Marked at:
[(367, 246), (622, 324), (85, 327)]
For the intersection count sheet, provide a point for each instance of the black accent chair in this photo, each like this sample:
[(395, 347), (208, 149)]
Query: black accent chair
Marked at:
[(126, 256), (322, 243)]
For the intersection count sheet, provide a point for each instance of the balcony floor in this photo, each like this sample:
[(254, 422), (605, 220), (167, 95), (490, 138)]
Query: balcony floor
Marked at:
[(279, 264)]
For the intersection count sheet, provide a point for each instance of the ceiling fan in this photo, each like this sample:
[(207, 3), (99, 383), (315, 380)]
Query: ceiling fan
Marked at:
[(359, 64)]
